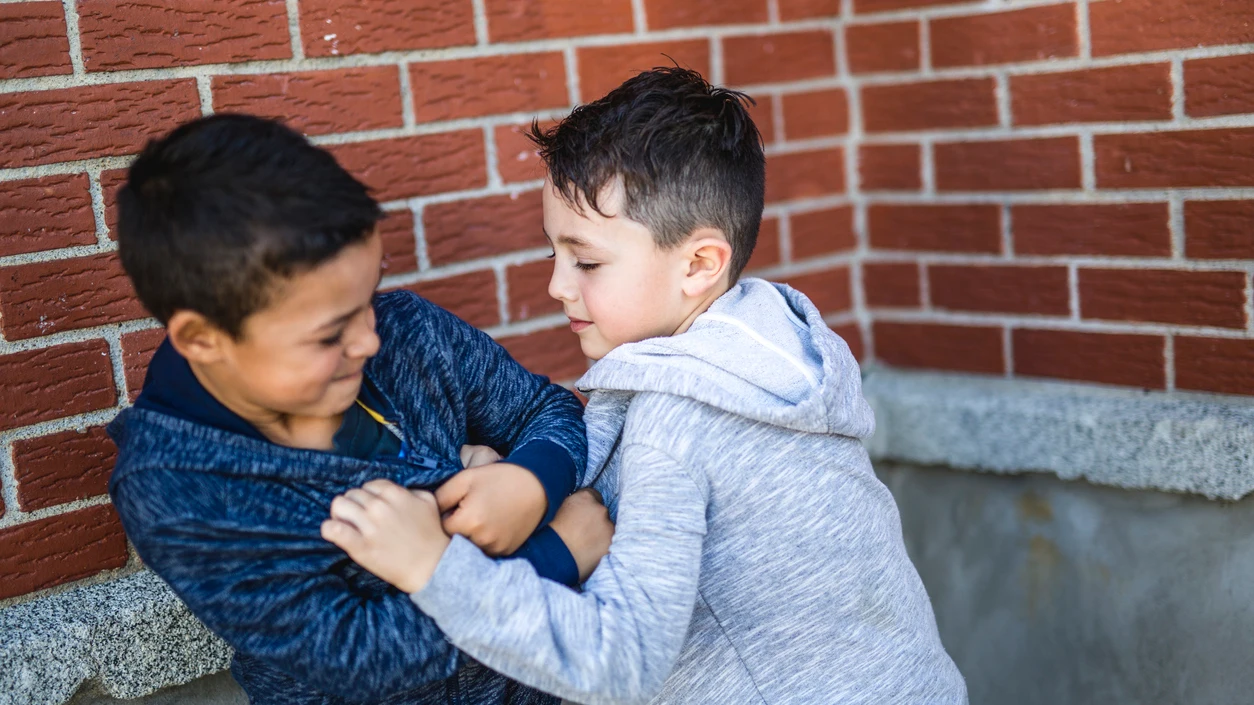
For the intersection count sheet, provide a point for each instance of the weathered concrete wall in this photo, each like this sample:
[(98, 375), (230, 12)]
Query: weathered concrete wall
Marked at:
[(1048, 591)]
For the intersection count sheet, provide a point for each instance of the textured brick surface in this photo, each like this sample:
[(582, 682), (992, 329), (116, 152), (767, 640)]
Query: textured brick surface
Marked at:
[(1219, 229), (516, 156), (792, 56), (518, 20), (669, 14), (821, 232), (828, 290), (939, 346), (337, 27), (1000, 289), (929, 106), (553, 353), (1093, 95), (1219, 86), (464, 230), (1164, 296), (43, 127), (52, 383), (1165, 159), (472, 297), (316, 102), (59, 549), (44, 214), (111, 181), (63, 467), (1122, 229), (762, 111), (1005, 165), (891, 46), (417, 166), (815, 114), (973, 228), (144, 34), (889, 167), (444, 90), (602, 69), (137, 350), (33, 41), (48, 297), (1215, 365), (400, 252), (893, 284), (862, 6), (852, 336), (807, 9), (1030, 34), (767, 252), (1128, 26), (528, 286), (1127, 360), (805, 174)]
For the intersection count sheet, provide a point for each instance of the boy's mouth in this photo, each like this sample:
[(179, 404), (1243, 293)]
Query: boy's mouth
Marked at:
[(577, 325)]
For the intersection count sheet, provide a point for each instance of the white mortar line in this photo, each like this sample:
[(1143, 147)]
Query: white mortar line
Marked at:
[(420, 238), (72, 34), (785, 238), (96, 190), (409, 113), (772, 13), (1169, 362), (778, 130), (293, 29), (114, 339), (481, 22), (1088, 162), (204, 89), (927, 167), (1249, 301), (1177, 91), (1083, 33), (925, 47), (572, 75), (716, 61), (639, 17), (502, 293), (1007, 243), (1073, 290), (1175, 223), (925, 285), (492, 157), (1008, 351)]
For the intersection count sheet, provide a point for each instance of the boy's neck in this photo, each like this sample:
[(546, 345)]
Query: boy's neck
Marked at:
[(313, 433), (702, 306)]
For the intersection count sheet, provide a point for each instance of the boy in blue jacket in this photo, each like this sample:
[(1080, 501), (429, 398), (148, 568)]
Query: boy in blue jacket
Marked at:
[(284, 380)]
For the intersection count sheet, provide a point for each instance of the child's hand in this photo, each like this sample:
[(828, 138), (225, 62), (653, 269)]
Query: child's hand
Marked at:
[(496, 506), (584, 526), (474, 456), (390, 531)]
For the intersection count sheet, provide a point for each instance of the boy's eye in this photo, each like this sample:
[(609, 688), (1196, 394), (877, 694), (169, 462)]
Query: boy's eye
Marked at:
[(550, 255), (586, 266), (333, 340)]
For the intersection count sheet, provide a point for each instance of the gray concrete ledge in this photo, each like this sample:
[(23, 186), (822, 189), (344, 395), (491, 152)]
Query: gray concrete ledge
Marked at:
[(128, 638), (1124, 438)]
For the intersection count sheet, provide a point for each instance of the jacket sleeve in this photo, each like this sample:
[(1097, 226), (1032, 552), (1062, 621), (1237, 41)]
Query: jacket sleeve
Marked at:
[(534, 423), (283, 596), (617, 641)]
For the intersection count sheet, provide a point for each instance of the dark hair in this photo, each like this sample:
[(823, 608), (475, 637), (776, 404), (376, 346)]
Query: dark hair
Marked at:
[(687, 152), (218, 209)]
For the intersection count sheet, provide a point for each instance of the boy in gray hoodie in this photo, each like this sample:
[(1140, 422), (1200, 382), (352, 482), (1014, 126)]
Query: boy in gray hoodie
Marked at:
[(757, 559)]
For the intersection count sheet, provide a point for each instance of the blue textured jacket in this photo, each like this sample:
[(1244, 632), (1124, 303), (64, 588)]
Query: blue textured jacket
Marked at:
[(231, 522)]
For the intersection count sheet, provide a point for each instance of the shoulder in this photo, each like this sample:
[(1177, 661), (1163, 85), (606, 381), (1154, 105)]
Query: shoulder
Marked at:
[(673, 424)]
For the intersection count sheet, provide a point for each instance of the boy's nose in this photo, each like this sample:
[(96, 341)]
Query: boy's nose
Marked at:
[(560, 287), (365, 341)]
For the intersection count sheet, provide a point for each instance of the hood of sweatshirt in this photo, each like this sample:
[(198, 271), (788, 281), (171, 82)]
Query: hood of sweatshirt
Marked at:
[(761, 351)]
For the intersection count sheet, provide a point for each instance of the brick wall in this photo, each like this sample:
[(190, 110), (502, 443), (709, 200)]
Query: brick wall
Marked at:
[(1012, 187)]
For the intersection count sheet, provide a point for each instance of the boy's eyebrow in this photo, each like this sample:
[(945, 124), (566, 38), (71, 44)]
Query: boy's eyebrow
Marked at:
[(341, 319), (572, 241)]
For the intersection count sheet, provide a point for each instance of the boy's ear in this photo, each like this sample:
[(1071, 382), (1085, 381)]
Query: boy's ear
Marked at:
[(709, 258), (195, 338)]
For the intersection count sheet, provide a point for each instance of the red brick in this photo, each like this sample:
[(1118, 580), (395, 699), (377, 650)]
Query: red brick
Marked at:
[(1093, 95), (603, 68), (1164, 296), (1119, 229), (1008, 165), (516, 155), (772, 58), (1219, 229), (33, 40), (1220, 365), (60, 549), (528, 286), (111, 182), (805, 174), (316, 102), (63, 467), (43, 127), (1031, 34), (417, 166), (815, 114), (892, 46), (668, 14), (852, 336), (815, 233), (554, 353), (1179, 159), (1126, 360), (520, 20), (145, 34), (44, 214), (444, 90), (471, 297), (939, 346), (893, 284), (51, 383), (1000, 289), (338, 27), (962, 228), (1127, 26), (829, 291), (482, 227), (762, 112), (766, 253), (400, 252), (790, 10), (137, 350), (1219, 86), (968, 102), (890, 167), (49, 297), (866, 6)]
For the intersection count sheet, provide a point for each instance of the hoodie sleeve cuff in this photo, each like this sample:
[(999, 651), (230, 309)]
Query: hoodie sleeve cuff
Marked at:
[(548, 554), (552, 466)]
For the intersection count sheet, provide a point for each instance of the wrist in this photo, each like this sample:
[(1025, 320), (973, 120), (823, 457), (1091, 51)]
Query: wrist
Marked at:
[(420, 572)]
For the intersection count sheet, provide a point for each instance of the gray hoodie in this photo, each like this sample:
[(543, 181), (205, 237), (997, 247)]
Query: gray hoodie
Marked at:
[(757, 559)]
